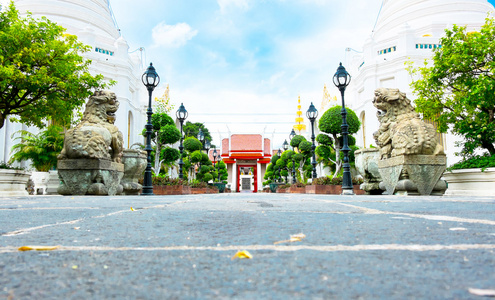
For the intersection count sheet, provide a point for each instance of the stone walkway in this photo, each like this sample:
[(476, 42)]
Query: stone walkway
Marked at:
[(183, 247)]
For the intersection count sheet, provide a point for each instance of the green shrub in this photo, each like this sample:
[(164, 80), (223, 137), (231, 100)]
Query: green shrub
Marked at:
[(478, 161)]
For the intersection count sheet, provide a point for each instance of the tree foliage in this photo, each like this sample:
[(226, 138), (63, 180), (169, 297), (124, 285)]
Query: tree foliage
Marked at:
[(192, 144), (457, 89), (42, 73), (331, 121), (331, 141), (192, 130), (164, 132), (297, 140)]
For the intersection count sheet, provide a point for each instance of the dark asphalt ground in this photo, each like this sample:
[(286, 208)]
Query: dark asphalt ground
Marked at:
[(181, 247)]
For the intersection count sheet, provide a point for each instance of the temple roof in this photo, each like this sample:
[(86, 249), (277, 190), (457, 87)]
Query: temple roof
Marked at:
[(75, 15)]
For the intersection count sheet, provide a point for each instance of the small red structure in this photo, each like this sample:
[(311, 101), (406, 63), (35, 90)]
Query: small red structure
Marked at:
[(246, 156)]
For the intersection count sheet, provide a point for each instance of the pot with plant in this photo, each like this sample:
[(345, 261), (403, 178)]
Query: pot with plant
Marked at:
[(41, 151)]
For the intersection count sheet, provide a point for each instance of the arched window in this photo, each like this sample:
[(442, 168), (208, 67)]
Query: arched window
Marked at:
[(130, 129)]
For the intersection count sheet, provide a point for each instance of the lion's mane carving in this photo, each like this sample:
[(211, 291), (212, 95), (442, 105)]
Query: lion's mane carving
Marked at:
[(401, 130), (95, 136)]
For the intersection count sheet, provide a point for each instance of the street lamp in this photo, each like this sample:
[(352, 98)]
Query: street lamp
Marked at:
[(286, 147), (291, 136), (279, 154), (150, 79), (207, 148), (181, 115), (201, 136), (312, 113), (341, 79), (214, 159)]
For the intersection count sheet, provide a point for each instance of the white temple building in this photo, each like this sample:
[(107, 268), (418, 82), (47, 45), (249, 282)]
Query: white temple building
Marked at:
[(92, 22), (406, 30)]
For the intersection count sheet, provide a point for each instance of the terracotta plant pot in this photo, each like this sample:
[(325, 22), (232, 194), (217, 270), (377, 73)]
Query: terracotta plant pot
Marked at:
[(317, 189), (171, 190), (297, 190)]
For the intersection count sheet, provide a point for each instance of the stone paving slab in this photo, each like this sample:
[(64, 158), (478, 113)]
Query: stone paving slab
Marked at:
[(180, 247)]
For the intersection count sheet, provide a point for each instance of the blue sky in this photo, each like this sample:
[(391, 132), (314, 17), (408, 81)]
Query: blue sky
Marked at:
[(243, 63)]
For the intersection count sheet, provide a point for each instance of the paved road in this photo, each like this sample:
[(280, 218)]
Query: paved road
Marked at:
[(181, 247)]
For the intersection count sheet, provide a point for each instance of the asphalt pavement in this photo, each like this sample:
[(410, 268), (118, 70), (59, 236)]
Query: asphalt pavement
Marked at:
[(298, 246)]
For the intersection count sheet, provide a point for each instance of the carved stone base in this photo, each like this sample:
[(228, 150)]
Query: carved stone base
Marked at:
[(134, 161), (366, 161), (413, 174), (90, 177)]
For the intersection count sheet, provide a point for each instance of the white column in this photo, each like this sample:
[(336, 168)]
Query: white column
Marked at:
[(260, 180), (234, 177)]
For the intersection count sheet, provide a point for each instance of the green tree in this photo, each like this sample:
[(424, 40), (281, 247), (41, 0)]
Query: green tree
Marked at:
[(42, 73), (330, 123), (221, 171), (192, 130), (458, 89), (164, 132), (192, 144), (41, 149)]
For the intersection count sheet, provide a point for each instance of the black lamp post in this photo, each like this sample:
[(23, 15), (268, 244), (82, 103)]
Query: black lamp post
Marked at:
[(214, 159), (286, 147), (341, 79), (150, 79), (279, 153), (181, 116), (291, 136), (312, 113)]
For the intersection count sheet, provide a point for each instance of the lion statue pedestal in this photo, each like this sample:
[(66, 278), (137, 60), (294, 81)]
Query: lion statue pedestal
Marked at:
[(91, 161), (90, 177), (411, 158)]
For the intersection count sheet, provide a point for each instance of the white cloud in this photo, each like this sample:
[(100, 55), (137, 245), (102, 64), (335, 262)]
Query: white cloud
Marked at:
[(172, 36), (225, 5)]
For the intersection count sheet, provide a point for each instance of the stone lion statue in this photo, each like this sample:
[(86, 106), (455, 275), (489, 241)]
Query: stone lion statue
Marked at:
[(95, 136), (401, 129)]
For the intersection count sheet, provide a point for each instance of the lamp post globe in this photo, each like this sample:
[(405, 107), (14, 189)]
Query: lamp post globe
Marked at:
[(341, 79), (201, 136), (150, 79), (181, 115), (312, 114), (207, 148), (291, 136)]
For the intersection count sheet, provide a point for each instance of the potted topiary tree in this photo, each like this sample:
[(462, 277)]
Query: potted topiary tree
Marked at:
[(41, 150)]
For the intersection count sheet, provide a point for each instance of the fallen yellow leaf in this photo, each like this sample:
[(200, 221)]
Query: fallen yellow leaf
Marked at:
[(242, 254), (38, 248), (132, 209)]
